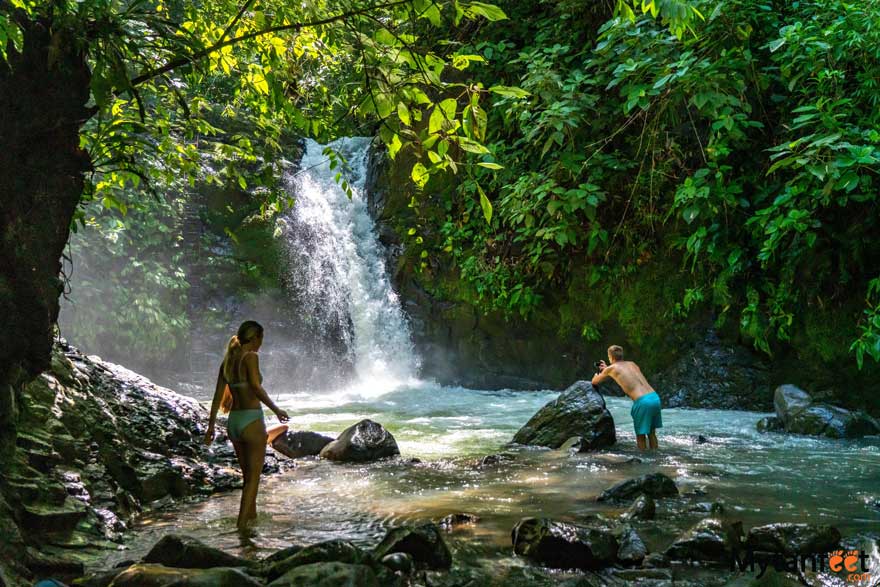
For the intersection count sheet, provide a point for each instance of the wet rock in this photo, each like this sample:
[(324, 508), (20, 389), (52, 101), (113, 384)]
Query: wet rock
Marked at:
[(328, 574), (631, 550), (578, 411), (653, 485), (714, 373), (788, 400), (492, 460), (647, 576), (461, 519), (399, 562), (282, 554), (339, 551), (793, 538), (701, 439), (300, 444), (770, 424), (656, 560), (97, 444), (706, 541), (643, 508), (362, 442), (186, 552), (800, 415), (423, 543), (147, 575), (564, 545)]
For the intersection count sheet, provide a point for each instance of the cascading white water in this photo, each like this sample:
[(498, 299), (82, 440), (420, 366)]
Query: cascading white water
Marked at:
[(337, 270)]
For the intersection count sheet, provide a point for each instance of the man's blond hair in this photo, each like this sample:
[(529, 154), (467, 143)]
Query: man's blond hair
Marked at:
[(615, 352)]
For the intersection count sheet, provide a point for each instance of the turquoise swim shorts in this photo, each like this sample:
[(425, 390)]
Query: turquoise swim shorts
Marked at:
[(645, 413)]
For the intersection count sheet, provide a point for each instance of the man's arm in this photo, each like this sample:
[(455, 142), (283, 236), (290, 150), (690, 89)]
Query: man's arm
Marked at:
[(603, 374)]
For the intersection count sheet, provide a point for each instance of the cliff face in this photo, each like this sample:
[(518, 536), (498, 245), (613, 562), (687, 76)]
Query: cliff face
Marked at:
[(96, 445), (690, 359)]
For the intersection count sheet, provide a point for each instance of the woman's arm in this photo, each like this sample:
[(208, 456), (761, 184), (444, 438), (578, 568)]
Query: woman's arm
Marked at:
[(252, 366), (215, 405)]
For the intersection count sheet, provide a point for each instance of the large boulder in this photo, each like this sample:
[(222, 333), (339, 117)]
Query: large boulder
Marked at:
[(423, 543), (300, 444), (788, 400), (798, 414), (340, 551), (793, 539), (578, 411), (362, 442), (328, 574), (563, 545), (97, 443), (147, 575), (654, 485), (186, 552), (706, 541), (714, 373)]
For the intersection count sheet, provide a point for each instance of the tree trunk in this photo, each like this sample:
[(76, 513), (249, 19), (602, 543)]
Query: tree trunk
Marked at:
[(43, 95)]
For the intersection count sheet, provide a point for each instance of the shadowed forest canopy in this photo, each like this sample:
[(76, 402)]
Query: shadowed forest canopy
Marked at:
[(735, 163), (732, 146)]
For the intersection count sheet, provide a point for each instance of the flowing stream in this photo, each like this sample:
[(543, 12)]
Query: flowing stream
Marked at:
[(760, 478)]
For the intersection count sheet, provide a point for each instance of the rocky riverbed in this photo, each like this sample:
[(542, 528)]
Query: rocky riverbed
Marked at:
[(96, 446)]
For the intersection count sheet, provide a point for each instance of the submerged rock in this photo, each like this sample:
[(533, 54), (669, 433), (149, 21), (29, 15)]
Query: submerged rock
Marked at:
[(654, 485), (186, 552), (399, 562), (329, 574), (793, 538), (147, 575), (632, 549), (578, 411), (362, 442), (563, 545), (706, 541), (300, 444), (461, 519), (798, 414), (643, 508), (770, 424), (423, 543)]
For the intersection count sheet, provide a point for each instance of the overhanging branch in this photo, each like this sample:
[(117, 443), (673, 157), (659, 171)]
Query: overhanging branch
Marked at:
[(186, 60)]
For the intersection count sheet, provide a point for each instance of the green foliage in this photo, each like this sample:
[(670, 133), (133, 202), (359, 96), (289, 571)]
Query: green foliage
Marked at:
[(746, 150), (132, 287)]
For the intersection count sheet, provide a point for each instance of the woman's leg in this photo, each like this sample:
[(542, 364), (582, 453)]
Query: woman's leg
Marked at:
[(239, 454), (254, 437), (641, 441), (652, 439), (274, 432)]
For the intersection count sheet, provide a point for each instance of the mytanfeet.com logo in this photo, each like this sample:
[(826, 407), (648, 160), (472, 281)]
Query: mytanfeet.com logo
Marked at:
[(849, 565)]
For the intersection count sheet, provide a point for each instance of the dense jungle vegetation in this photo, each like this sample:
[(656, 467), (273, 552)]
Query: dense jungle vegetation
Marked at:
[(728, 149), (735, 164)]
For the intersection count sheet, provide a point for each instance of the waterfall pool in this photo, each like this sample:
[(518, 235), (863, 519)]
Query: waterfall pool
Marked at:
[(760, 478)]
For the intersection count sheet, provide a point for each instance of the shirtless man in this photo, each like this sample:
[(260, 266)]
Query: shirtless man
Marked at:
[(645, 410)]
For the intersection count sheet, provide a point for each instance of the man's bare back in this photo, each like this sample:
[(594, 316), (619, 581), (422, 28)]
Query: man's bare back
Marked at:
[(646, 406), (627, 375)]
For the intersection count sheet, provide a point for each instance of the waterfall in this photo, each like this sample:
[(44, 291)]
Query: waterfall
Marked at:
[(337, 272)]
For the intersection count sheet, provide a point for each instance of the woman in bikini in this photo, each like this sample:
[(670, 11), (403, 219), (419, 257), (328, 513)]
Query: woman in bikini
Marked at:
[(239, 393)]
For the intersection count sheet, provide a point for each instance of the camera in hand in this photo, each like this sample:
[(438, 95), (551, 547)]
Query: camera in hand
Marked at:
[(596, 366)]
